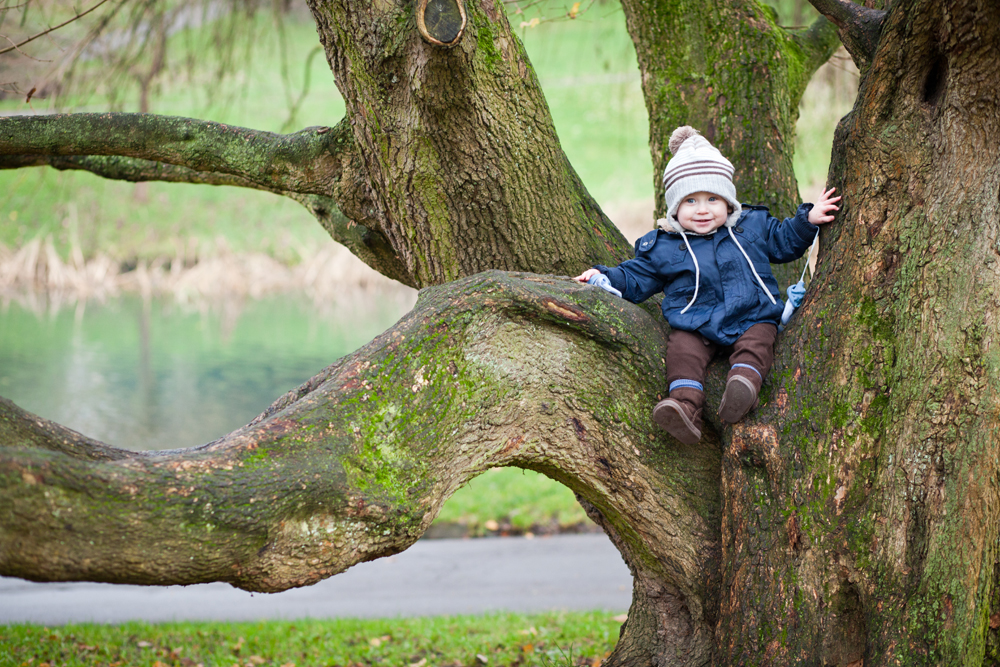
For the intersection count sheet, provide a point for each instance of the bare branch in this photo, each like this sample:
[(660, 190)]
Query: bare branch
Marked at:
[(303, 162), (243, 158), (859, 27), (135, 170), (53, 29)]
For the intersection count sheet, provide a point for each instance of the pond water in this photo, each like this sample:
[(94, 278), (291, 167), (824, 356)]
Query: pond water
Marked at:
[(154, 375)]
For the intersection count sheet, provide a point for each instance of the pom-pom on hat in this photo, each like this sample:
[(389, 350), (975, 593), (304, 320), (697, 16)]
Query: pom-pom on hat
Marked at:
[(697, 166)]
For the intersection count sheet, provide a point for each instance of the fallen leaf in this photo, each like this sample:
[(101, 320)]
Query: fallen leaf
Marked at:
[(288, 664), (481, 659), (257, 660), (491, 524), (423, 661), (620, 618), (143, 644), (378, 641), (157, 663), (528, 648)]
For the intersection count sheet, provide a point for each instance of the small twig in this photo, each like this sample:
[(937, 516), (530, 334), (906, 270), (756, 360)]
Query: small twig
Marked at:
[(14, 47), (45, 32), (14, 7)]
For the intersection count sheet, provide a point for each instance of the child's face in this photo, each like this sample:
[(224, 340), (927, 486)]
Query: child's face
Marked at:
[(702, 212)]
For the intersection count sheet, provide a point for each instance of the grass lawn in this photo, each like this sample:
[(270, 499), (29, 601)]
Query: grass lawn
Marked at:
[(559, 638), (511, 500)]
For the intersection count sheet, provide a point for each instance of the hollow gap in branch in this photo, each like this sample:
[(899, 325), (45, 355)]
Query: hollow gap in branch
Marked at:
[(936, 81)]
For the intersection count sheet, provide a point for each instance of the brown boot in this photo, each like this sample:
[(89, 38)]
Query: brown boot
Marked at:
[(680, 414), (740, 396)]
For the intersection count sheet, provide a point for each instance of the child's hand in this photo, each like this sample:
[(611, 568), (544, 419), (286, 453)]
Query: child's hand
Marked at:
[(586, 275), (820, 213)]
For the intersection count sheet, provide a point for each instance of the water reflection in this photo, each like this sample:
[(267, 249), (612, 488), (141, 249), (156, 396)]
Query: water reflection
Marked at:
[(148, 374)]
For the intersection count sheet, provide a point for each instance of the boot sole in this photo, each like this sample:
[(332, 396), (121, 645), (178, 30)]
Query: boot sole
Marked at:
[(738, 399), (669, 415)]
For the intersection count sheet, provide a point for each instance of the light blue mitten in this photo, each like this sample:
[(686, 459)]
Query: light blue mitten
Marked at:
[(796, 293), (601, 280)]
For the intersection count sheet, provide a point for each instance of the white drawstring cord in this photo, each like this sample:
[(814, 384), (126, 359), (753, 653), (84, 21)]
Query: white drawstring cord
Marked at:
[(757, 275), (697, 273)]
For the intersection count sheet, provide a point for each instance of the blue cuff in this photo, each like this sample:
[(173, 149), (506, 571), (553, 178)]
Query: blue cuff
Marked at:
[(685, 384), (750, 367)]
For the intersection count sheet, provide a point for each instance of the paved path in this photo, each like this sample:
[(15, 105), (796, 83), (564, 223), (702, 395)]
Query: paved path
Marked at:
[(432, 577)]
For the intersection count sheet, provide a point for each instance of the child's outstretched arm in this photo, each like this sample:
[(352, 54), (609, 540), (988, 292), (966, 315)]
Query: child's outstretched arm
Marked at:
[(820, 213)]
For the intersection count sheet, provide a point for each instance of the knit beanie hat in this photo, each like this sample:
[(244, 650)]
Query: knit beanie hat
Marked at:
[(697, 166)]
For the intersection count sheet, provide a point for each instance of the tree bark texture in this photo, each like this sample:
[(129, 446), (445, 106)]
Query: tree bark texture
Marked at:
[(465, 168), (728, 69), (860, 505), (494, 370)]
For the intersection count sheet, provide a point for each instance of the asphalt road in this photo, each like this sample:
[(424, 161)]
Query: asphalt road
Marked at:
[(578, 572)]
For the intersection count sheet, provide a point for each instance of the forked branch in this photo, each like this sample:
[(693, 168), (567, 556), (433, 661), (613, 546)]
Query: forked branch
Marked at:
[(859, 27)]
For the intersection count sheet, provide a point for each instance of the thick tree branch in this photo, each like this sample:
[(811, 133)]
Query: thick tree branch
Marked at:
[(135, 170), (859, 27), (494, 370), (305, 162), (343, 176)]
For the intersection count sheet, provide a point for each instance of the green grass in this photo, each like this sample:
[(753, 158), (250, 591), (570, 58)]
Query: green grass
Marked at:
[(516, 500), (558, 638)]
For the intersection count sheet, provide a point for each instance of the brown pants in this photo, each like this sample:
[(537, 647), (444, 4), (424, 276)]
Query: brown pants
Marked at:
[(688, 353)]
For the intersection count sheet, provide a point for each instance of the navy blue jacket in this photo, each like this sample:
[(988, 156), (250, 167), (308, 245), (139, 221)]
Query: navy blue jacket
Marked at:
[(730, 300)]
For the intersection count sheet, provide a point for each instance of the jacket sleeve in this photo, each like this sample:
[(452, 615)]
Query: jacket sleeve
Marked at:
[(639, 278), (788, 239)]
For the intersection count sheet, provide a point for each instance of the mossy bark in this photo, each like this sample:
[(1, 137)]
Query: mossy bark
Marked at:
[(860, 505), (731, 71)]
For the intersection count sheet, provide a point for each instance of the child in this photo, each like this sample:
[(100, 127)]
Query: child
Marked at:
[(719, 293)]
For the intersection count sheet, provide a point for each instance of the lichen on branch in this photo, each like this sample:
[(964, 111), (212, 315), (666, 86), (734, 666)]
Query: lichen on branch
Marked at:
[(303, 162)]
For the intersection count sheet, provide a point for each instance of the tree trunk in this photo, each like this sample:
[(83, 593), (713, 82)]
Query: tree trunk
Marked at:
[(464, 166), (860, 507), (720, 68)]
